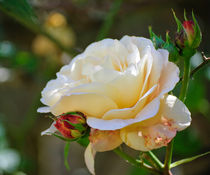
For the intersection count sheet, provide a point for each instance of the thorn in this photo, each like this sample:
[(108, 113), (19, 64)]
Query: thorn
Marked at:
[(204, 57)]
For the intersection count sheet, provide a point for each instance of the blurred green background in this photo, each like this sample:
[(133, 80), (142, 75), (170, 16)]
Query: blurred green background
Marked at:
[(28, 60)]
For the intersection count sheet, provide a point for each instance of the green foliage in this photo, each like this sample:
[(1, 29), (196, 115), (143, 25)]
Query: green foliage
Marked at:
[(189, 147), (194, 101), (168, 45), (15, 58), (19, 9)]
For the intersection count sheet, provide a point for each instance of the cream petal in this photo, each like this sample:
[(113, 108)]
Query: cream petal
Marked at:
[(107, 48), (90, 158), (128, 113), (134, 139), (145, 70), (103, 89), (148, 111), (140, 42), (52, 129), (90, 104), (148, 138), (45, 109), (56, 88), (104, 140), (160, 58), (169, 77), (158, 131), (177, 112)]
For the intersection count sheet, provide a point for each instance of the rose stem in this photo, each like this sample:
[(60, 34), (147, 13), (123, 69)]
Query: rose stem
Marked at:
[(187, 54)]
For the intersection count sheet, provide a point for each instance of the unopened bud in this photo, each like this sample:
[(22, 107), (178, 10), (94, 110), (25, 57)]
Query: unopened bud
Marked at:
[(71, 125), (188, 33)]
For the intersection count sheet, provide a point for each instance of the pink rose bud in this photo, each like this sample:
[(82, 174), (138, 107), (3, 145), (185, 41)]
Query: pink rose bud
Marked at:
[(189, 30), (71, 125), (188, 33)]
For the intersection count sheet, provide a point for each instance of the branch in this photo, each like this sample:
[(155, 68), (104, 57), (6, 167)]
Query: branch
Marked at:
[(206, 60)]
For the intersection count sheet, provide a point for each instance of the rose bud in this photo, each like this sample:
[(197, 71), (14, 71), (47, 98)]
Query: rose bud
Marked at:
[(188, 33), (71, 125)]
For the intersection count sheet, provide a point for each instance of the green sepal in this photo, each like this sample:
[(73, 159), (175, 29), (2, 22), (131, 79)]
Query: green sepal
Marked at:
[(84, 140), (63, 138), (186, 160), (178, 22), (77, 126), (185, 15), (66, 153), (198, 34), (172, 49), (157, 40)]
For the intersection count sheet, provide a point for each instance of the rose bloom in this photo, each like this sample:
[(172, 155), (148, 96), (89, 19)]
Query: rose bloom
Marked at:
[(122, 87)]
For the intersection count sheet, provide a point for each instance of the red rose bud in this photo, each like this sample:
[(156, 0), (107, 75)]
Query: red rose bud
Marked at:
[(188, 33), (71, 125)]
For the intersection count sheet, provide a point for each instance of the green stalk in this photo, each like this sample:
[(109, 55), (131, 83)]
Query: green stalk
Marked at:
[(168, 157), (134, 162), (186, 78), (187, 54), (155, 160)]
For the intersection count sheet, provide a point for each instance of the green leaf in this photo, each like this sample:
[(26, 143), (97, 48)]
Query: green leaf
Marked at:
[(19, 9), (66, 153), (188, 160), (183, 148)]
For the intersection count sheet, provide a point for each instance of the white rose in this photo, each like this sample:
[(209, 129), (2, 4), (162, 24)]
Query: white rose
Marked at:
[(121, 85)]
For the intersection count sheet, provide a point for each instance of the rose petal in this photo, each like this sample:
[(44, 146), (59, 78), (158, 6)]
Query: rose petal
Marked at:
[(89, 158), (45, 109), (52, 129), (145, 139), (177, 112), (169, 77), (148, 111), (105, 140), (90, 104), (158, 131)]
